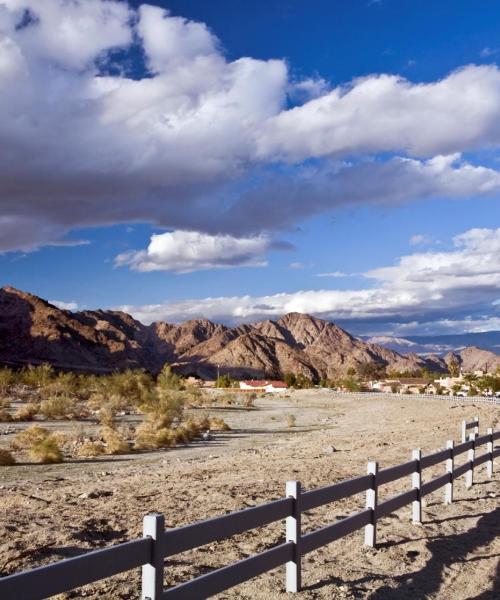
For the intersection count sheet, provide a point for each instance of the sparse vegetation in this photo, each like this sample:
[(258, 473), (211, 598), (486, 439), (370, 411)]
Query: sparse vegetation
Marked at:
[(45, 394), (291, 420)]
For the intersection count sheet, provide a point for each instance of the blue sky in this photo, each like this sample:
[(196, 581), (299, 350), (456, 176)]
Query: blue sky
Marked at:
[(238, 160)]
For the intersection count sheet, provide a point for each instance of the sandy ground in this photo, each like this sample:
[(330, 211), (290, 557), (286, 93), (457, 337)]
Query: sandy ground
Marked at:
[(48, 512)]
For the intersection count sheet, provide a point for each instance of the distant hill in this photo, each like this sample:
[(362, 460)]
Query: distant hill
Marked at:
[(33, 331), (439, 344)]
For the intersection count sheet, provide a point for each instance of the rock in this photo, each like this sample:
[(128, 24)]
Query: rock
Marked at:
[(96, 494), (330, 449)]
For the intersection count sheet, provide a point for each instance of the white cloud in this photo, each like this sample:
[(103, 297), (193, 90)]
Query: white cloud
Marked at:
[(64, 305), (187, 251), (419, 284), (386, 113), (82, 147), (335, 274), (420, 239)]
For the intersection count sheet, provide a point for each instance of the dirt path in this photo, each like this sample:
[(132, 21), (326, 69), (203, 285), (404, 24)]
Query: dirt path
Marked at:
[(51, 512)]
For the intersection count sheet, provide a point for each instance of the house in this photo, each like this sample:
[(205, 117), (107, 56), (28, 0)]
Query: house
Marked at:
[(263, 385)]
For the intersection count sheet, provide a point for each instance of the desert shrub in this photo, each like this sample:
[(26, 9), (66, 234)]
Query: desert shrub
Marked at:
[(145, 437), (6, 458), (46, 451), (28, 437), (168, 380), (218, 424), (165, 408), (165, 438), (37, 376), (7, 378), (113, 441), (27, 412), (5, 415), (225, 381), (90, 449), (4, 403), (291, 420), (64, 384), (58, 407), (182, 435)]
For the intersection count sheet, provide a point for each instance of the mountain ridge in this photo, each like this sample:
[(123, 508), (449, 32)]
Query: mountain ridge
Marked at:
[(33, 330)]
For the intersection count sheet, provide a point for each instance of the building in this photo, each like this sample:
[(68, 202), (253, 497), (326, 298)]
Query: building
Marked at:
[(263, 385)]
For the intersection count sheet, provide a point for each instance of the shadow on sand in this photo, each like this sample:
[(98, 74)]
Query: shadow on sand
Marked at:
[(445, 551)]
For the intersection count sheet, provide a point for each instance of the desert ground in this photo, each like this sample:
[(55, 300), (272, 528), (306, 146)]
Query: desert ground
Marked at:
[(50, 512)]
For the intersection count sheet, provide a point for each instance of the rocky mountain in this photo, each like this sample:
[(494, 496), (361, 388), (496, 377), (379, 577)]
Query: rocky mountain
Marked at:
[(472, 359), (33, 331)]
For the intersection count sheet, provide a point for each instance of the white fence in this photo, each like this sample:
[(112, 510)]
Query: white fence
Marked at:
[(150, 551), (461, 399)]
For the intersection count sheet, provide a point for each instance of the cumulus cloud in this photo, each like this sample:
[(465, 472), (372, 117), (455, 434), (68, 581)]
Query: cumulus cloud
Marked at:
[(187, 251), (386, 113), (439, 283), (176, 145)]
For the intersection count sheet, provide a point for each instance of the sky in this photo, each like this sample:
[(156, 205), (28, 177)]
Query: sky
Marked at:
[(237, 161)]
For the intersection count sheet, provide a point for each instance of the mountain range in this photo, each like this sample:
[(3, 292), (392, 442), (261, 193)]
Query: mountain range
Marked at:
[(34, 331), (439, 344)]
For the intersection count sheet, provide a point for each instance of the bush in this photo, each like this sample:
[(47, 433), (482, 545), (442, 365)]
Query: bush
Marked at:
[(113, 441), (7, 378), (28, 437), (39, 376), (218, 424), (90, 448), (291, 420), (58, 407), (168, 380), (46, 451), (225, 381), (27, 412), (6, 458)]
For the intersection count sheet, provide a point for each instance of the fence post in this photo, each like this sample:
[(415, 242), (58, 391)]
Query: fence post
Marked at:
[(371, 502), (489, 450), (293, 534), (469, 475), (476, 427), (152, 572), (448, 488), (416, 482), (464, 431)]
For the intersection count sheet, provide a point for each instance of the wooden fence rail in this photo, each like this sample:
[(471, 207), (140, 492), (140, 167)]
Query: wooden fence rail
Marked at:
[(158, 543)]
